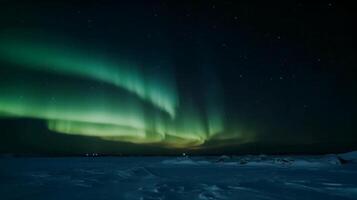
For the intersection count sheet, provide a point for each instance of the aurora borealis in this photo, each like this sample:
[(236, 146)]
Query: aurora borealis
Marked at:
[(46, 57), (132, 106), (208, 77)]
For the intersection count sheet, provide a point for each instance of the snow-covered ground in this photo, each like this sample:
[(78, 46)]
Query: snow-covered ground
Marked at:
[(245, 177)]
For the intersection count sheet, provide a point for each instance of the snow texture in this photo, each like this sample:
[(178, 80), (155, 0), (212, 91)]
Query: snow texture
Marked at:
[(201, 178), (350, 156)]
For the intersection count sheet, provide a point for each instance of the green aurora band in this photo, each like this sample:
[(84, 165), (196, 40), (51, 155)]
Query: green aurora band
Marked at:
[(130, 106), (57, 58)]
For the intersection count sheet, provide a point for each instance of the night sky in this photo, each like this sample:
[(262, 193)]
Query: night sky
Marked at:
[(166, 77)]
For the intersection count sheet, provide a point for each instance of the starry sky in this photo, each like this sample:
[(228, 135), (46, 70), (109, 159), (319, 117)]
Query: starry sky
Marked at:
[(167, 77)]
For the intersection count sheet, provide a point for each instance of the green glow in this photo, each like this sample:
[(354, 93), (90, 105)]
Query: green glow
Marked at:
[(141, 108), (54, 58), (70, 112)]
